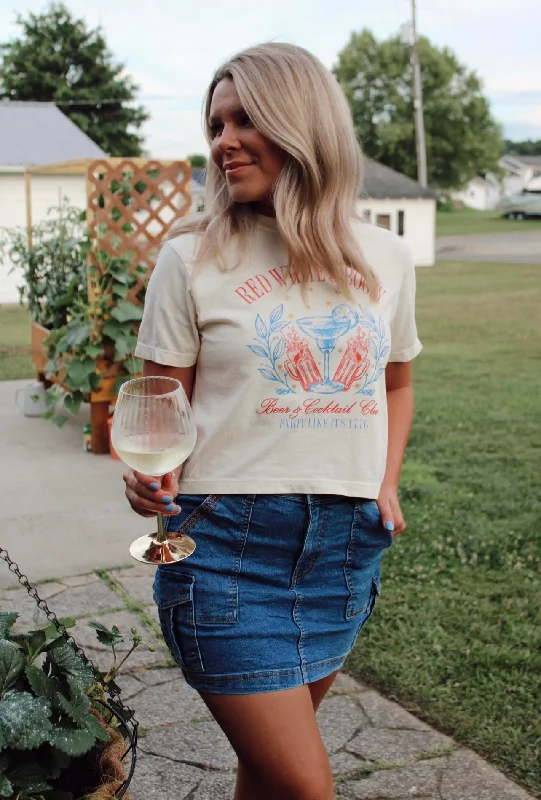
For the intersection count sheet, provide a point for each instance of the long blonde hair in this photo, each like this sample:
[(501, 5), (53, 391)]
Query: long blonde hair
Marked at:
[(297, 104)]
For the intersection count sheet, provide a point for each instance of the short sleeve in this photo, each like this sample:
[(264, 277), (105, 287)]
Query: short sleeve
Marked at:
[(405, 344), (168, 333)]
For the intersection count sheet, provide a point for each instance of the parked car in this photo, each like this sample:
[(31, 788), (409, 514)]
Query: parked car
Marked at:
[(521, 206)]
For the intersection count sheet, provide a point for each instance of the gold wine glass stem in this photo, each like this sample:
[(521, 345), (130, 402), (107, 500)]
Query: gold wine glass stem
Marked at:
[(162, 536)]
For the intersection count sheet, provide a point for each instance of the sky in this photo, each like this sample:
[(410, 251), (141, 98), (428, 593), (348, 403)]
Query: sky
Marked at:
[(172, 47)]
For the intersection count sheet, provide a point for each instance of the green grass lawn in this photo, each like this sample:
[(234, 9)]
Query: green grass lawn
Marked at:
[(467, 220), (456, 635), (15, 360)]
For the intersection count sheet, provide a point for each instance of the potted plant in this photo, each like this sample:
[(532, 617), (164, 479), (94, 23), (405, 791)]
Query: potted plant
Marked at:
[(84, 313), (61, 735)]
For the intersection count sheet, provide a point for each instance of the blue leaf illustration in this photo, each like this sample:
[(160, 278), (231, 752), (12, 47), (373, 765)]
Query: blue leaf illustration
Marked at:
[(381, 328), (276, 315), (260, 327), (378, 373), (368, 392), (384, 352), (373, 349), (284, 391), (258, 351), (279, 350), (270, 376), (280, 326), (367, 315)]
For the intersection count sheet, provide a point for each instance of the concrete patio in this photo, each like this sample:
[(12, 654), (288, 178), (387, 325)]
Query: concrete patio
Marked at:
[(63, 516)]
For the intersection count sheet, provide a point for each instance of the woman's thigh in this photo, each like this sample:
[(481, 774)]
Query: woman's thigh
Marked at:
[(277, 740)]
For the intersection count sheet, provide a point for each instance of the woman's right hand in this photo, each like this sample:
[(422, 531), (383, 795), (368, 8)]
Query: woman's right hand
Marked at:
[(149, 496)]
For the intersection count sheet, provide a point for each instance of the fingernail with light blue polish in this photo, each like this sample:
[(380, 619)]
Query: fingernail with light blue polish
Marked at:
[(167, 499), (154, 486), (170, 507), (389, 525)]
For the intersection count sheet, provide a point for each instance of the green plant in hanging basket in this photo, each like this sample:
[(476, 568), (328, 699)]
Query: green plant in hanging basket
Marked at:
[(53, 734)]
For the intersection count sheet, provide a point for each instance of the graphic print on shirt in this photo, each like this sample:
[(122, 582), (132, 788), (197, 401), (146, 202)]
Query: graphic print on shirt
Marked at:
[(313, 351)]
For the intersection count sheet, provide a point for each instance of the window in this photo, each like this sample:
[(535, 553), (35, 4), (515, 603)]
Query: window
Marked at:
[(401, 227), (383, 221)]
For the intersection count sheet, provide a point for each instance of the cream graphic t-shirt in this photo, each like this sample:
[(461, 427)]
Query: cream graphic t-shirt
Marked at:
[(290, 392)]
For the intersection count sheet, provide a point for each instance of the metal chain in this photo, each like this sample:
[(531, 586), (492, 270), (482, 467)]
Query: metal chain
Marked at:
[(51, 616)]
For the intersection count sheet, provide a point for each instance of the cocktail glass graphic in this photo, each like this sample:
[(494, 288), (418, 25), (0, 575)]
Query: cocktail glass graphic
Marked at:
[(326, 331)]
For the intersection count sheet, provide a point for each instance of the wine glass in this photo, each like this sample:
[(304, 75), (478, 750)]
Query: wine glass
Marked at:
[(154, 432)]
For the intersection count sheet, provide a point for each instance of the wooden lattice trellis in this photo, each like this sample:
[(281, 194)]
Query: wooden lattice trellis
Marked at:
[(131, 204)]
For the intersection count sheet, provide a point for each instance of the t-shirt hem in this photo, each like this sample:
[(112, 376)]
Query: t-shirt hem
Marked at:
[(164, 357), (370, 491), (408, 354)]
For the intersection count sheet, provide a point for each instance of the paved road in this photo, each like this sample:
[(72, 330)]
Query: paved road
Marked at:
[(521, 248), (378, 750)]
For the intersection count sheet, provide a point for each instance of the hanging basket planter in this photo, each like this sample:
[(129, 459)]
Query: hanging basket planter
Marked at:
[(63, 726)]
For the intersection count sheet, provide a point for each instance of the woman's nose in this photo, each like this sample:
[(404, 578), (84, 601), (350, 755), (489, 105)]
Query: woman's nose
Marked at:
[(229, 139)]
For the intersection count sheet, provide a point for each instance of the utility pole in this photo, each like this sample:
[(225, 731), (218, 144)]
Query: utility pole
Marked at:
[(418, 103)]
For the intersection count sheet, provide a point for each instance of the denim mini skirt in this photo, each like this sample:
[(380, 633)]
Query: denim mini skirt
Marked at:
[(276, 591)]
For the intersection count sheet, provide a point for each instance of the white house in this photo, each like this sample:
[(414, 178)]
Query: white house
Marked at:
[(520, 174), (391, 200), (480, 193), (32, 134)]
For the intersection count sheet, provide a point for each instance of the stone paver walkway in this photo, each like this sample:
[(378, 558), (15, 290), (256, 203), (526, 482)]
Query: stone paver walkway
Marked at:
[(378, 750)]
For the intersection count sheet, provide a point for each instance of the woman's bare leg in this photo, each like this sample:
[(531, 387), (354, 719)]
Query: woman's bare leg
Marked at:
[(278, 743), (318, 690)]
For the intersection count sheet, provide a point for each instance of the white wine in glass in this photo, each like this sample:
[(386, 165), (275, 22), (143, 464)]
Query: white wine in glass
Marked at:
[(153, 433)]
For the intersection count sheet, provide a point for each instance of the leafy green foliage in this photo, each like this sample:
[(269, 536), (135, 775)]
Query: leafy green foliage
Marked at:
[(58, 59), (197, 161), (49, 698), (462, 138), (92, 320), (529, 147), (7, 620), (54, 266), (106, 636)]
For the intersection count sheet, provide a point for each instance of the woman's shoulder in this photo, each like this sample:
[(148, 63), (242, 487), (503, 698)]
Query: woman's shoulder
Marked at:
[(382, 245)]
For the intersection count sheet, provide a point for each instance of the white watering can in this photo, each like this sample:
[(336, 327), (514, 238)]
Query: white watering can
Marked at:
[(33, 399)]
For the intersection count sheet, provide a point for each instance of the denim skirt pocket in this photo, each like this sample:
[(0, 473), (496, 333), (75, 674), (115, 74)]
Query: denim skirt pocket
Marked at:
[(173, 594), (219, 526), (367, 543)]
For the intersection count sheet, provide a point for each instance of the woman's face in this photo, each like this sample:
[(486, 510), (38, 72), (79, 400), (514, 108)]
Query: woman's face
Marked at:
[(248, 160)]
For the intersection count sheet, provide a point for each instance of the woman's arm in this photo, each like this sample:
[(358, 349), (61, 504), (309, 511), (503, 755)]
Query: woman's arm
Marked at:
[(142, 495), (399, 384)]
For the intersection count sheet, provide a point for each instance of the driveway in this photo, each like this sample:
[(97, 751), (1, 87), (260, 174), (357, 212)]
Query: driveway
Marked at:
[(523, 247), (62, 511)]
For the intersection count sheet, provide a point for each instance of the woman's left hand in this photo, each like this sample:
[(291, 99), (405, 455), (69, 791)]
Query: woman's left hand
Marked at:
[(389, 507)]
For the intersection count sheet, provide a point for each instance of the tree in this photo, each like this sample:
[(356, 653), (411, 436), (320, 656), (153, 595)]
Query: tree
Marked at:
[(58, 59), (462, 138), (197, 161), (526, 148)]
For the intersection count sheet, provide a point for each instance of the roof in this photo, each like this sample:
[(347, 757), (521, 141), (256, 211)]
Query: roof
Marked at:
[(527, 161), (39, 133), (531, 161), (381, 182)]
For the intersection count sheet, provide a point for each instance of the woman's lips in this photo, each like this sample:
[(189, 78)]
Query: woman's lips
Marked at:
[(231, 171)]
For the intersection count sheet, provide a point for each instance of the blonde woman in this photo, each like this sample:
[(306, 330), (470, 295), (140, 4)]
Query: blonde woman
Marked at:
[(290, 324)]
